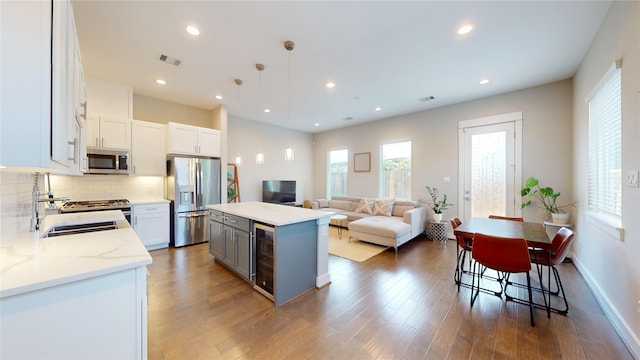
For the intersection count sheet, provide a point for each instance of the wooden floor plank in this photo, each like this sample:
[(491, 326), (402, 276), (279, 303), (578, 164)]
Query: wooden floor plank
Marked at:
[(388, 307)]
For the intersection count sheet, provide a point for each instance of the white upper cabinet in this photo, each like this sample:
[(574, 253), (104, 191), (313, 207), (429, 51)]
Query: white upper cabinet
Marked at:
[(38, 124), (148, 148), (109, 99), (108, 132), (193, 140)]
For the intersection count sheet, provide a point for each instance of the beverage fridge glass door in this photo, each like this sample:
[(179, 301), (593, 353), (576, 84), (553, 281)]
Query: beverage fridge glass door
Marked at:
[(191, 228), (265, 238)]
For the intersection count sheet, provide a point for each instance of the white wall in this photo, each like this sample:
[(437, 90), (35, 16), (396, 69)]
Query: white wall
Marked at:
[(547, 121), (611, 266), (247, 137)]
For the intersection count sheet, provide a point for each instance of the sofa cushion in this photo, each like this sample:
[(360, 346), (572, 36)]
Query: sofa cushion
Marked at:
[(383, 207), (323, 203), (340, 204), (399, 207), (385, 226), (365, 206)]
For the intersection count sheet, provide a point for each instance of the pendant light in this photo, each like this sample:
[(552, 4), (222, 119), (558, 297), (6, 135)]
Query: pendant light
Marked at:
[(260, 67), (288, 151)]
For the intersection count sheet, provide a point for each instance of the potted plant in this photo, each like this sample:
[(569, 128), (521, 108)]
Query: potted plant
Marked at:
[(545, 198), (438, 206)]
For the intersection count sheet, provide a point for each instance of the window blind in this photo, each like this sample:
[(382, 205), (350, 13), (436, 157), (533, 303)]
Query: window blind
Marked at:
[(605, 145)]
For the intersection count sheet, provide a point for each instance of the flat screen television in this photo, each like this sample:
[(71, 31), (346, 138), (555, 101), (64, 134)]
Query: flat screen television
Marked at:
[(279, 191)]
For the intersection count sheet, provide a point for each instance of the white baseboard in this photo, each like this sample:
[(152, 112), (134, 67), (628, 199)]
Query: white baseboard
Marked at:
[(622, 327)]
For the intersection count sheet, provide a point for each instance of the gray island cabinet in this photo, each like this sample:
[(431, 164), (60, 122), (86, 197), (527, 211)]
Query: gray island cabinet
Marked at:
[(281, 250)]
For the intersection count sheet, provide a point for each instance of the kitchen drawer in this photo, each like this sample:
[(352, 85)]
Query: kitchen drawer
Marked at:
[(238, 222), (216, 215)]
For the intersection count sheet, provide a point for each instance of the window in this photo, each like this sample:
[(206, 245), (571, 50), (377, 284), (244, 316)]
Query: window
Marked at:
[(605, 145), (395, 177), (337, 172)]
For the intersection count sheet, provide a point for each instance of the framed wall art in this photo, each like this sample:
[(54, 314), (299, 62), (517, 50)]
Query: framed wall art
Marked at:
[(362, 162)]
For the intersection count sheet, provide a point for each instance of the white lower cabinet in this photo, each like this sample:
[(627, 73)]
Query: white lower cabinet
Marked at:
[(100, 317), (151, 223)]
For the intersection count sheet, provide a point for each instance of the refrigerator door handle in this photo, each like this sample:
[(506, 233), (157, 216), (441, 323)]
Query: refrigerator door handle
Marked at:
[(200, 214)]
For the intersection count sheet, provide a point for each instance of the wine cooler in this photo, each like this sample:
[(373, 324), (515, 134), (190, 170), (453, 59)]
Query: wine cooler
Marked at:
[(265, 237)]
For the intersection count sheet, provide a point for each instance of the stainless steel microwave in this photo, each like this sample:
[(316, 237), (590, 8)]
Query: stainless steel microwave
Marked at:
[(104, 161)]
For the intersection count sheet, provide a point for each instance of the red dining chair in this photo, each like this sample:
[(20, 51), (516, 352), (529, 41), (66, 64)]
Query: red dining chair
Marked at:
[(550, 257), (506, 218), (506, 255), (464, 246)]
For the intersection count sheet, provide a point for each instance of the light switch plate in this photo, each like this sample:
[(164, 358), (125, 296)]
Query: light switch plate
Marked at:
[(632, 178)]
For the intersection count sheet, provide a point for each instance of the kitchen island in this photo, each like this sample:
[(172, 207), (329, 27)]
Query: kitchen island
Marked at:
[(75, 296), (300, 244)]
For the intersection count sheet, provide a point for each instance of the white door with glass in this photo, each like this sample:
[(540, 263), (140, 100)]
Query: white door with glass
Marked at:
[(490, 171)]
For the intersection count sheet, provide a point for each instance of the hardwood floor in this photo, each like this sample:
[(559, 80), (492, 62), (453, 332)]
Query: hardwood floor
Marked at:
[(385, 308)]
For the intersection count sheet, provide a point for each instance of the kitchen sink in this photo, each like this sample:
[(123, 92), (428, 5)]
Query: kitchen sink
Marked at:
[(60, 230)]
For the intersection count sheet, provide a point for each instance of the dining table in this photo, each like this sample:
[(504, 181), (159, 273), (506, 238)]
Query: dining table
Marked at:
[(534, 233)]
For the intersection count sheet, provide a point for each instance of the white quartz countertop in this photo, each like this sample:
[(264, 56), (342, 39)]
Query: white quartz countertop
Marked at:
[(141, 201), (29, 262), (273, 214)]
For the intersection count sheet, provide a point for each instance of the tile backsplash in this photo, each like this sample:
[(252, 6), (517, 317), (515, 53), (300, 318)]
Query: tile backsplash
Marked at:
[(15, 201), (16, 192)]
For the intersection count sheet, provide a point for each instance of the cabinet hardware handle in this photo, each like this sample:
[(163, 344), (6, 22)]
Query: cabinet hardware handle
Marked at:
[(97, 142), (73, 144), (136, 221)]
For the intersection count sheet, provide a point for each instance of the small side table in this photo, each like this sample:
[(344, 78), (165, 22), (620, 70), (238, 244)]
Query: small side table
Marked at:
[(338, 217), (437, 231)]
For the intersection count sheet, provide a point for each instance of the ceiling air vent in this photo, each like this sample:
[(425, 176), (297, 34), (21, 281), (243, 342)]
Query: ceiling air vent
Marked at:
[(169, 60), (427, 98)]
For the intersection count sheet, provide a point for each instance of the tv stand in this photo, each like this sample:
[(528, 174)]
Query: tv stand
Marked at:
[(292, 204)]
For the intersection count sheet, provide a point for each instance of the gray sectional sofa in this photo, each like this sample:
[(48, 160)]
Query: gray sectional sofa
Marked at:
[(383, 222)]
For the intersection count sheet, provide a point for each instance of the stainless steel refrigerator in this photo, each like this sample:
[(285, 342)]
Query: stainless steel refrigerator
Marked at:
[(192, 184)]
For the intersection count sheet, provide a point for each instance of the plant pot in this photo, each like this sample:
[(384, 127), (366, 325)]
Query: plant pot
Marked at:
[(436, 217), (561, 218)]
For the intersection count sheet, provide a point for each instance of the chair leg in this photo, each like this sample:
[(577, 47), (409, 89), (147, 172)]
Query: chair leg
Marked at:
[(564, 297), (533, 323), (473, 282)]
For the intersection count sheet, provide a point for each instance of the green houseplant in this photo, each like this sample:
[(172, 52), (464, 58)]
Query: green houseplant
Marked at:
[(438, 206), (543, 197)]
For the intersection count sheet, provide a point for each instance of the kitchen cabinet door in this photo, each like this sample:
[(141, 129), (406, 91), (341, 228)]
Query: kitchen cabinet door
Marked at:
[(38, 125), (148, 148), (115, 133), (151, 223), (193, 140), (229, 255), (243, 254), (216, 239), (209, 142), (108, 132)]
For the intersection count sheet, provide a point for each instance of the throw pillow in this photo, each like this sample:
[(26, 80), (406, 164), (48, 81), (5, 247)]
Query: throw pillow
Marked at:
[(365, 206), (323, 203), (383, 207)]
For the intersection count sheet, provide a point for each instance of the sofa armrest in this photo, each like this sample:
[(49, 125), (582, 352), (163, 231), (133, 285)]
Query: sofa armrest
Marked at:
[(416, 218)]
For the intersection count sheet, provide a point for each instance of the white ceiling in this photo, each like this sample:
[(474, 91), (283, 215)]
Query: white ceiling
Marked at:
[(379, 53)]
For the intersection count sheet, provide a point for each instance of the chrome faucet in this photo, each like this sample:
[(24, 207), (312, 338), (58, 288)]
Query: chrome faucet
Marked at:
[(36, 200)]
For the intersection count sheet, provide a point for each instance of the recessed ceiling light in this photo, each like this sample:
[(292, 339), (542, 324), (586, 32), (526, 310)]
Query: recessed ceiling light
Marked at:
[(193, 30), (330, 84), (316, 124), (267, 110), (484, 81), (219, 97), (465, 29), (161, 82), (378, 108)]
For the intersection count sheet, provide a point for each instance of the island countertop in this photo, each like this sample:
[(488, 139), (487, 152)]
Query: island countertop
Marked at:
[(272, 214), (29, 262)]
